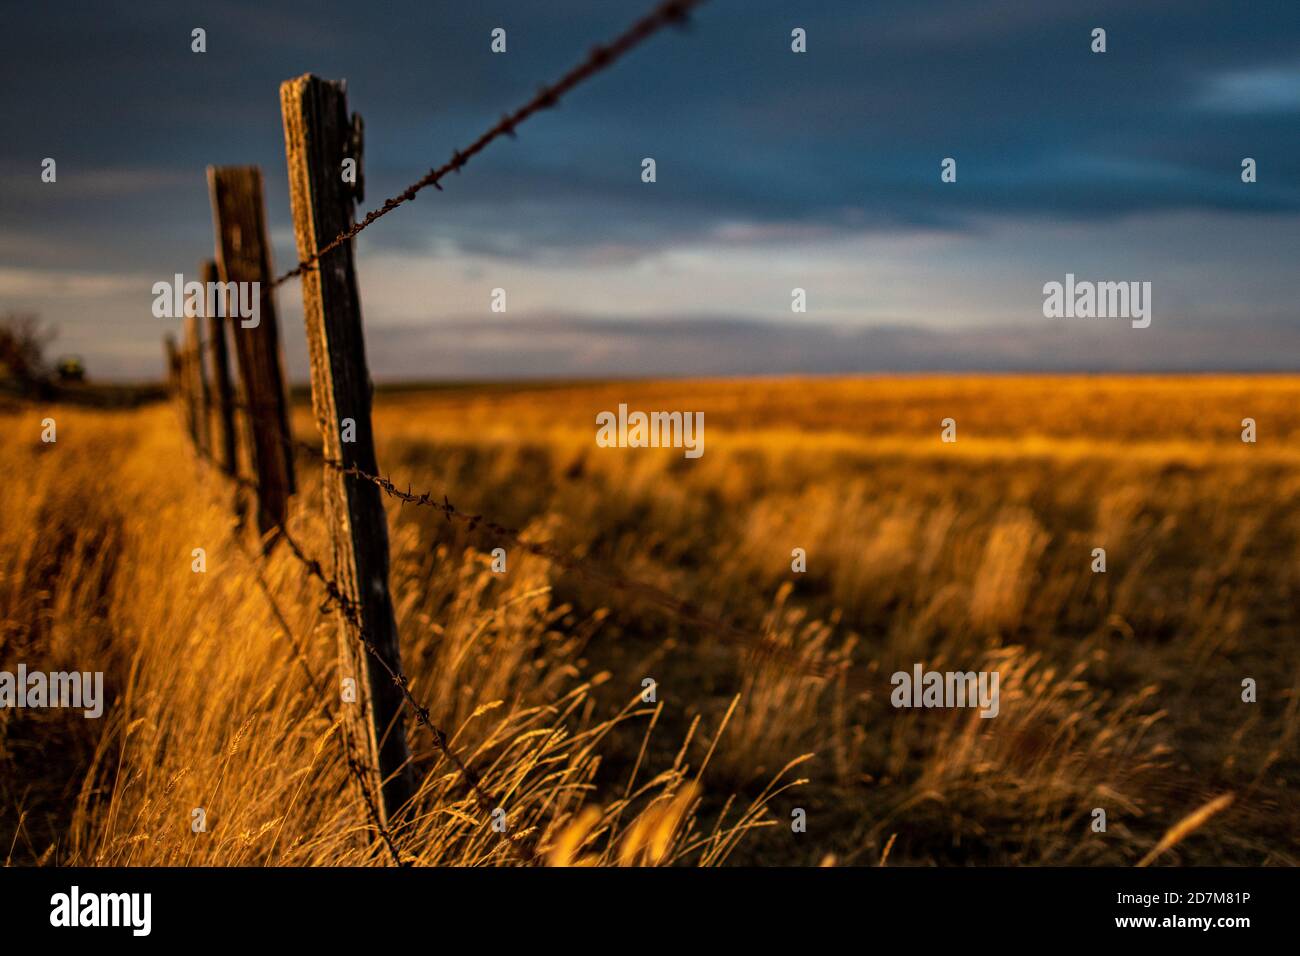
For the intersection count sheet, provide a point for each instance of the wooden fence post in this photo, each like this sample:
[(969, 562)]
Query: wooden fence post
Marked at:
[(244, 256), (189, 393), (223, 437), (172, 364), (318, 136), (198, 383)]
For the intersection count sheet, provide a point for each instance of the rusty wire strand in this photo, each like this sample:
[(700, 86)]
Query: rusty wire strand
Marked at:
[(525, 845), (350, 758), (680, 608), (353, 764), (602, 56)]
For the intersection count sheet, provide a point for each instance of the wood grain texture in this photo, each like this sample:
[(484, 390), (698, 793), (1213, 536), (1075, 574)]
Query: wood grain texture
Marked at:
[(224, 436), (189, 355), (171, 362), (318, 136), (244, 255)]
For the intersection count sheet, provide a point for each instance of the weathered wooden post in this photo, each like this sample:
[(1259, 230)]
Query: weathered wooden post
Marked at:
[(185, 383), (318, 137), (171, 362), (244, 256), (223, 437), (197, 385)]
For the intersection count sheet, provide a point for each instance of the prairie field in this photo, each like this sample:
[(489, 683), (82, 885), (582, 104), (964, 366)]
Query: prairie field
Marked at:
[(1121, 690)]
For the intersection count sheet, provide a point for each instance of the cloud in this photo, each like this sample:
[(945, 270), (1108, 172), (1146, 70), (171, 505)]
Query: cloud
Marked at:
[(44, 285), (76, 182), (1262, 90), (559, 347), (775, 170)]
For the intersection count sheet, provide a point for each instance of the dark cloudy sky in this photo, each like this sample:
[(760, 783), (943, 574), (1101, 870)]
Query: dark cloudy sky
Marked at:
[(775, 170)]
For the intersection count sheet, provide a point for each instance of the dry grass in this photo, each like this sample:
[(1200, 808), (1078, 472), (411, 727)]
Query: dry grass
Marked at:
[(1119, 691)]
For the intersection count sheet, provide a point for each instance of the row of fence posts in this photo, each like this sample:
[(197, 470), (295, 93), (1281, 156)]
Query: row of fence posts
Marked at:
[(319, 135)]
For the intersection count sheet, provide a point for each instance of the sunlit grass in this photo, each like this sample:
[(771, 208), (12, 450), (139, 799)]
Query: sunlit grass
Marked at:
[(1121, 690)]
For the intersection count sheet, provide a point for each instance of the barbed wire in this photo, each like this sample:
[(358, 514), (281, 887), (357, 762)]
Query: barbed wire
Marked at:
[(601, 57), (524, 845), (680, 608), (353, 763)]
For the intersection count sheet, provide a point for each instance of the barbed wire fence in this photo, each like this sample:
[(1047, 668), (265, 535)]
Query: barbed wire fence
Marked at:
[(524, 847), (585, 568), (318, 137)]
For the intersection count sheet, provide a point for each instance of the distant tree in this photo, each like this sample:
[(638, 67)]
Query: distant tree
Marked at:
[(23, 340)]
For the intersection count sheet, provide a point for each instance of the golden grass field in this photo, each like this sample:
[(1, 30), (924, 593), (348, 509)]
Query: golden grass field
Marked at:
[(1120, 690)]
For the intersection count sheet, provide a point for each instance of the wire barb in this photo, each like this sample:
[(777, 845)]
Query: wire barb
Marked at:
[(669, 13)]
